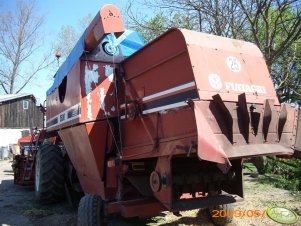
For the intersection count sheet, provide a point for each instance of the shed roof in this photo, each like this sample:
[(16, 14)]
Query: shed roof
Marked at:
[(8, 97)]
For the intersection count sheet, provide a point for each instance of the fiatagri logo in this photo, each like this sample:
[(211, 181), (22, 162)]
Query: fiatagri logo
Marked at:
[(216, 83), (234, 65), (282, 215)]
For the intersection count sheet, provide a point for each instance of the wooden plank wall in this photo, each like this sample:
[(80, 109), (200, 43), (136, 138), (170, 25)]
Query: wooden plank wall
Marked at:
[(12, 114)]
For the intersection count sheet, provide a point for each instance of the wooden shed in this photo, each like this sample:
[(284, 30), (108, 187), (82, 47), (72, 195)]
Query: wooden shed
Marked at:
[(19, 111)]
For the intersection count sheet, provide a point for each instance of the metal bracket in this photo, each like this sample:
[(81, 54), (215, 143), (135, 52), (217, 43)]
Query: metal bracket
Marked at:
[(227, 116), (243, 110), (267, 116), (281, 120)]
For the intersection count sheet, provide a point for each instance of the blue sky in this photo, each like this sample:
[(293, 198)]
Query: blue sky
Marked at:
[(59, 13)]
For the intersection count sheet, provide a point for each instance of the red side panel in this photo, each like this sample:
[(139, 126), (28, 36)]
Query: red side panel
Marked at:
[(109, 19), (175, 127), (160, 78), (61, 114), (86, 146), (209, 147), (161, 65), (97, 91), (228, 67), (100, 139)]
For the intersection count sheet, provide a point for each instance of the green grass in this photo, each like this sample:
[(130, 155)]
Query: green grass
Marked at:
[(249, 168)]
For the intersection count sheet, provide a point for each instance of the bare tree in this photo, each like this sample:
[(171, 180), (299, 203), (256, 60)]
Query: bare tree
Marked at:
[(159, 23), (66, 40), (275, 27), (220, 17), (269, 19), (20, 40), (69, 35)]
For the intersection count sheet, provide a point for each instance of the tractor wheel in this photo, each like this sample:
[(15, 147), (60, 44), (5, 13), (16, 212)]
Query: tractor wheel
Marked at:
[(90, 211), (221, 215), (49, 174)]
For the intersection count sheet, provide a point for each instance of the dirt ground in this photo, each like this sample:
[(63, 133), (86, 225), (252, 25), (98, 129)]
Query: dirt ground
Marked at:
[(18, 207)]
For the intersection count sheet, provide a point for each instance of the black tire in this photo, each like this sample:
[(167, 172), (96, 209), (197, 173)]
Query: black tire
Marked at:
[(215, 214), (49, 174), (90, 211)]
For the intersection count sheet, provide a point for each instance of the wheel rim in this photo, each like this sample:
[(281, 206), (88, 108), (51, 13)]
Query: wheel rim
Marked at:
[(37, 174)]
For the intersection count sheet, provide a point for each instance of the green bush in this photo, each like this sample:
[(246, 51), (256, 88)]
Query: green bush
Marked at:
[(284, 173)]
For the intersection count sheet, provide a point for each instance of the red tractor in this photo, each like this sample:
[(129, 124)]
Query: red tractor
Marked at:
[(141, 129), (24, 163)]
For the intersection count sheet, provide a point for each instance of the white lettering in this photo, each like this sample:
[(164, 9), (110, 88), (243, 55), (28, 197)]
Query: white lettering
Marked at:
[(248, 89), (228, 85), (233, 63), (238, 87)]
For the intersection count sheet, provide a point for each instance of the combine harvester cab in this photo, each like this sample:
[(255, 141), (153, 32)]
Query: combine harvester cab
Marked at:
[(162, 127)]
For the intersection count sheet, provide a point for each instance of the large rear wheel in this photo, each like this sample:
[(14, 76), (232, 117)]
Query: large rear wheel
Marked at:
[(90, 211), (49, 174)]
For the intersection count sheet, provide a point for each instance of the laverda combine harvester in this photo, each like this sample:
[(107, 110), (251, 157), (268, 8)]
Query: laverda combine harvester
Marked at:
[(144, 129)]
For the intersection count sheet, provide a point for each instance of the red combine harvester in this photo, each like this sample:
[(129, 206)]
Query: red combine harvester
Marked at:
[(164, 128)]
